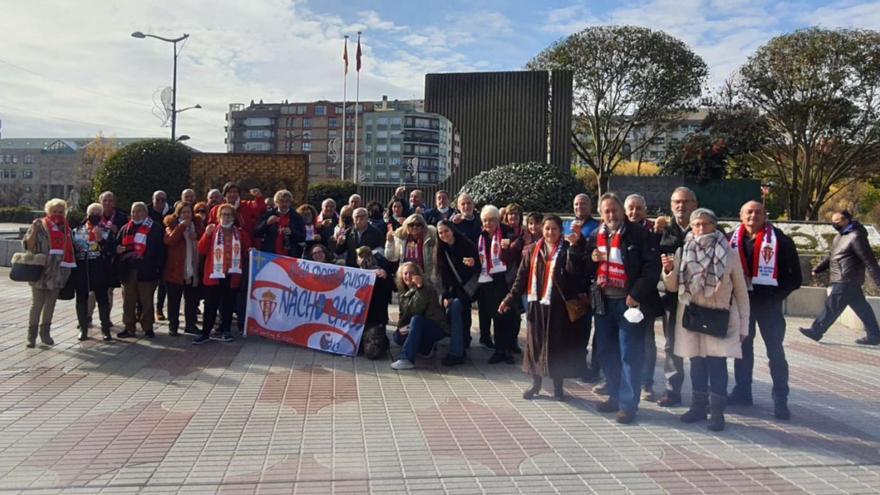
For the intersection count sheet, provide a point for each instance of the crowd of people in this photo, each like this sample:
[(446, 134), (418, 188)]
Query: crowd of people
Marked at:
[(609, 278)]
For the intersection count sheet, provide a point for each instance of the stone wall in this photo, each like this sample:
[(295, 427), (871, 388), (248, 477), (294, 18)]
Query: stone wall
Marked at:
[(269, 172)]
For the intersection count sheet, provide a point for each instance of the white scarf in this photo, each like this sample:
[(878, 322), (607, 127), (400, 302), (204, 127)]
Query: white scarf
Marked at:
[(547, 276), (189, 270), (763, 269), (494, 264), (220, 254)]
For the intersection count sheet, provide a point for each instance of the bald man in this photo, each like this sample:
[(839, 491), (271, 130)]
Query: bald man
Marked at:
[(772, 272)]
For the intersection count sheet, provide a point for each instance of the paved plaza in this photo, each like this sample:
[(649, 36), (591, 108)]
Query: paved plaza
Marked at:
[(161, 416)]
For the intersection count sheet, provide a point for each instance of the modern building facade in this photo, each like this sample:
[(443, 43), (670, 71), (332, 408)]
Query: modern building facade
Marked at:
[(33, 170), (385, 145)]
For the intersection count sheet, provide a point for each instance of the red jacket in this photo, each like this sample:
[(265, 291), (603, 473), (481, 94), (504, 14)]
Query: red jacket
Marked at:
[(205, 250), (248, 214)]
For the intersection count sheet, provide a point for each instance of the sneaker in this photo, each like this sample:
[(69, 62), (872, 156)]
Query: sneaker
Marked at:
[(125, 334), (226, 338), (648, 394), (452, 360), (868, 341), (669, 399), (601, 389), (811, 334), (625, 417), (201, 339), (402, 364), (607, 406)]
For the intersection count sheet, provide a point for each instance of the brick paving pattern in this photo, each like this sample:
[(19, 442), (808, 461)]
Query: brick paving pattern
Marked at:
[(254, 416)]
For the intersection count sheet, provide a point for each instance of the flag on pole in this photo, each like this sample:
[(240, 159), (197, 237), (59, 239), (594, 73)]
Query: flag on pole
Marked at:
[(345, 54), (358, 54)]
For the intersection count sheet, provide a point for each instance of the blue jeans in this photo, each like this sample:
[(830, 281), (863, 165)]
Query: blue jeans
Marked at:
[(709, 374), (423, 334), (456, 313), (845, 294), (621, 354)]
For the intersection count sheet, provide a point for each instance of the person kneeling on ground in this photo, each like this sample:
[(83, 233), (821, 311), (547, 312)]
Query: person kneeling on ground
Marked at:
[(422, 321)]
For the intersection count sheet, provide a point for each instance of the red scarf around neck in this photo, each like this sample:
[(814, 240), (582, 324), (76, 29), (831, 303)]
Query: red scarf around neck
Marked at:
[(283, 222), (135, 237), (61, 241)]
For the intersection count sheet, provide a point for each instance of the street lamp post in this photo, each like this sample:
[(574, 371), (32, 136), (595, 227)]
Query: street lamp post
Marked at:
[(173, 41)]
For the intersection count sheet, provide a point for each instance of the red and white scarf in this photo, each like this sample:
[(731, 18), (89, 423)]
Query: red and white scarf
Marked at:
[(283, 222), (612, 272), (549, 270), (764, 269), (61, 242), (136, 236), (415, 252), (490, 257), (218, 262)]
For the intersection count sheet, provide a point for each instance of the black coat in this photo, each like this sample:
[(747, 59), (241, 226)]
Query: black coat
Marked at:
[(850, 256), (789, 274), (94, 269), (471, 228), (641, 260), (269, 233), (462, 248), (433, 216), (371, 237), (149, 268)]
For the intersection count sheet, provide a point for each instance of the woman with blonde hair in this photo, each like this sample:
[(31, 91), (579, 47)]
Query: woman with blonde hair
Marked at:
[(51, 237), (414, 241), (712, 318), (422, 320)]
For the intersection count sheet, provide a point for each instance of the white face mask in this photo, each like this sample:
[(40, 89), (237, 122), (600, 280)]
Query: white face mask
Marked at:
[(227, 225)]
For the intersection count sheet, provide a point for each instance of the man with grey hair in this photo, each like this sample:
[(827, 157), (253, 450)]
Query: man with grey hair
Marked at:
[(215, 198), (355, 201), (362, 234), (141, 254), (682, 203), (187, 196)]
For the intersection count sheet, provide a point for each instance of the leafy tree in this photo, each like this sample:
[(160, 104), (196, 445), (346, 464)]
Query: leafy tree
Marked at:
[(701, 158), (338, 190), (819, 91), (140, 168), (629, 83), (535, 186)]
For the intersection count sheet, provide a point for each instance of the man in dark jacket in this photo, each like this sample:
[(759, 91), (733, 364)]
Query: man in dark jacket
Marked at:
[(772, 271), (141, 252), (361, 234), (850, 256), (626, 263), (682, 203), (465, 220), (281, 228), (442, 209)]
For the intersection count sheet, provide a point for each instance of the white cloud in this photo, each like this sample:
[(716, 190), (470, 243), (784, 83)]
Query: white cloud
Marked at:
[(847, 14)]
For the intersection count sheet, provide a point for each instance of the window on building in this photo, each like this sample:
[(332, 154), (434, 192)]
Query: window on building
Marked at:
[(257, 121), (307, 123), (396, 120), (331, 134), (306, 135), (380, 160), (395, 161), (257, 146), (381, 147), (333, 122), (28, 159), (394, 147), (5, 173), (382, 121), (307, 146), (12, 173), (382, 134), (257, 134), (300, 109), (27, 173), (320, 110)]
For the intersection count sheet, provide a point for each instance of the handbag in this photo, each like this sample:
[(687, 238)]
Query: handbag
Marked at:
[(576, 307), (27, 267), (471, 286), (704, 320)]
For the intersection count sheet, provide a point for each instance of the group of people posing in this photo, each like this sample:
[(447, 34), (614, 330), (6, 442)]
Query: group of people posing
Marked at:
[(711, 289)]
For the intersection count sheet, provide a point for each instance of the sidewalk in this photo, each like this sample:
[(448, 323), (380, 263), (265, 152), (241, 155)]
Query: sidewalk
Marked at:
[(161, 416)]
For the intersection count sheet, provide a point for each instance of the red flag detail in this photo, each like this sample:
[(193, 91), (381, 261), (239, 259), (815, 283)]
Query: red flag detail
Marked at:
[(358, 56), (345, 55)]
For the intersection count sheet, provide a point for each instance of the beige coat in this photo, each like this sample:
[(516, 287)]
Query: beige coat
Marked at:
[(690, 344), (54, 275), (396, 250)]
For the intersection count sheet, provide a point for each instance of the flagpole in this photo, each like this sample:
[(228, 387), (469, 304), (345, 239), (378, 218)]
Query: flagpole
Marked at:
[(357, 102), (344, 104)]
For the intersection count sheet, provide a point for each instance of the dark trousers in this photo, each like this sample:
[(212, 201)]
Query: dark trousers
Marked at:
[(222, 297), (673, 366), (621, 353), (767, 315), (161, 292), (423, 334), (82, 308), (650, 357), (709, 374), (190, 294), (490, 296), (458, 333), (845, 294)]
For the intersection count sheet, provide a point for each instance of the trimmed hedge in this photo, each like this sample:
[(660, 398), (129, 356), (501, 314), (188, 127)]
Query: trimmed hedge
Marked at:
[(535, 186), (19, 214), (137, 170), (338, 190)]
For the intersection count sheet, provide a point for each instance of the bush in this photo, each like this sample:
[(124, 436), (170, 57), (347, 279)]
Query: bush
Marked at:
[(140, 168), (19, 214), (535, 186), (337, 190)]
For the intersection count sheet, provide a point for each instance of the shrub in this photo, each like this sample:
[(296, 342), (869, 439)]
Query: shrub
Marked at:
[(140, 168), (535, 186), (338, 190), (19, 214)]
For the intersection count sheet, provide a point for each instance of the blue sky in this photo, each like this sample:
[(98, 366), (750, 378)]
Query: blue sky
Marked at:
[(74, 70)]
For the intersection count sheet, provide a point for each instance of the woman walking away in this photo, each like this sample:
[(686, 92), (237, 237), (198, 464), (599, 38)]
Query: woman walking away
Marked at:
[(51, 237), (550, 274), (713, 313), (422, 321)]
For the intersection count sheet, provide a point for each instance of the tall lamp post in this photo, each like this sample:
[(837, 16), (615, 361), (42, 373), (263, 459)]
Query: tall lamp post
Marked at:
[(173, 41)]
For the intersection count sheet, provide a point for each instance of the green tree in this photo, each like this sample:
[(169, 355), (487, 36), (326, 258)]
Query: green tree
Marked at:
[(536, 186), (629, 83), (140, 168), (819, 91)]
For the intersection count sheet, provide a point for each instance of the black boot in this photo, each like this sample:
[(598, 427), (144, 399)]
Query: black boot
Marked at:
[(45, 337), (32, 336), (105, 331), (717, 403), (558, 390), (535, 389), (83, 332), (697, 412)]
